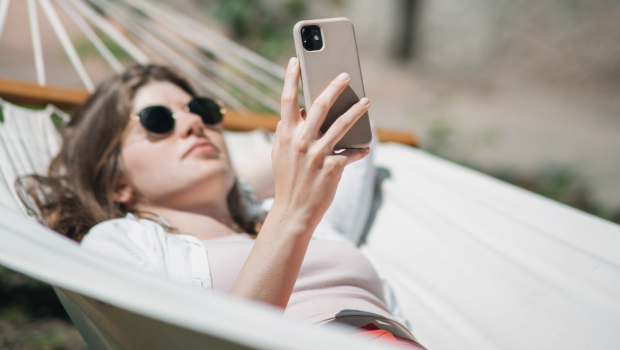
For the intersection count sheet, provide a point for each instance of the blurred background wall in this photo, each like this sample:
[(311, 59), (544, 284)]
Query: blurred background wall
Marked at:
[(525, 90)]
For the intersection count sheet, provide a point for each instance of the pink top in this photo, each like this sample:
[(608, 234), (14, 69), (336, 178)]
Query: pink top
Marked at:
[(335, 278)]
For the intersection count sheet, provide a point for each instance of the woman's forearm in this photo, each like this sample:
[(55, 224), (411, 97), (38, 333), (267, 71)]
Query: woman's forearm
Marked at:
[(270, 272)]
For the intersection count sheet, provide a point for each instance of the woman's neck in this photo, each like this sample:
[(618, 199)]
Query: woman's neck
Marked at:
[(199, 225)]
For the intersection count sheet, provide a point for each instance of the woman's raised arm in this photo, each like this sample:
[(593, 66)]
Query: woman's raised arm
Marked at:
[(306, 174)]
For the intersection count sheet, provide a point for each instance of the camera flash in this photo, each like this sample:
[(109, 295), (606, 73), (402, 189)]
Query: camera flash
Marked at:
[(316, 37)]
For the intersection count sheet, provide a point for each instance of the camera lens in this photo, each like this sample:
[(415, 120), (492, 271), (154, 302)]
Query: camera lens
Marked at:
[(308, 44), (305, 31)]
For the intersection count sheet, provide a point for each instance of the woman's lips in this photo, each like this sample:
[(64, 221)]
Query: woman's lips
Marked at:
[(202, 147)]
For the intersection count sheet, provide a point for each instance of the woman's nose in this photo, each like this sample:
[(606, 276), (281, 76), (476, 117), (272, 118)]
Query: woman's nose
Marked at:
[(187, 123)]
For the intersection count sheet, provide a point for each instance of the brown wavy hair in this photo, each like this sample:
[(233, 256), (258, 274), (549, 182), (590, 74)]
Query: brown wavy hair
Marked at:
[(77, 192)]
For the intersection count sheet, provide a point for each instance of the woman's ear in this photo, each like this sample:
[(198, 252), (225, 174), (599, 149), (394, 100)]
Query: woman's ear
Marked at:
[(123, 193)]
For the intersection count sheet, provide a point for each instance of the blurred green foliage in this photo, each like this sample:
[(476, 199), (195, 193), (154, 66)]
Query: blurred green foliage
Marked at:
[(561, 184), (264, 26)]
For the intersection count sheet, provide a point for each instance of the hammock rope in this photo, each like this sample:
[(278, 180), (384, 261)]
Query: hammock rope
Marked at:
[(106, 27), (207, 39), (169, 54), (209, 64), (4, 8), (240, 78), (66, 43), (245, 61), (92, 36), (36, 42), (240, 51)]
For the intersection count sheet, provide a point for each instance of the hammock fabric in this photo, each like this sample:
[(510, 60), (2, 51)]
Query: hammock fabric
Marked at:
[(475, 264)]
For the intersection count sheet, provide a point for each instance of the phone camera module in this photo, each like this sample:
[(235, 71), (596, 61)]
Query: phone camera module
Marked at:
[(308, 44), (311, 38)]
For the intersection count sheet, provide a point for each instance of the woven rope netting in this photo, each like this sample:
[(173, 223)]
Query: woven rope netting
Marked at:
[(148, 30)]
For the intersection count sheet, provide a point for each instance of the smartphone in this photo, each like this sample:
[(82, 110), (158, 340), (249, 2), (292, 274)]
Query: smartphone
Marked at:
[(326, 48)]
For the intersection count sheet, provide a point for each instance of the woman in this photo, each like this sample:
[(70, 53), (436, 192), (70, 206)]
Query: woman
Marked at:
[(144, 177)]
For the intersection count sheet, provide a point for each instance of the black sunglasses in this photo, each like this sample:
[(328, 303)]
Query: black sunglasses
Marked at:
[(160, 119)]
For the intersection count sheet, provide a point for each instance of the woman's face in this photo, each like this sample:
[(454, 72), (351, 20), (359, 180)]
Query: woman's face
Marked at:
[(186, 169)]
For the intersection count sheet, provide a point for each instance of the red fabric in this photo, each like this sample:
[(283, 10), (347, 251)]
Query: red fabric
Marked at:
[(372, 332)]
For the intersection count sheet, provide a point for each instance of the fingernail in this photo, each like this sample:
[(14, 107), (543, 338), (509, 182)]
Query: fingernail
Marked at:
[(292, 62), (343, 76), (364, 102)]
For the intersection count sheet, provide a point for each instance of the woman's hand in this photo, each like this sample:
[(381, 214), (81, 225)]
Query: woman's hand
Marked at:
[(306, 173), (306, 169)]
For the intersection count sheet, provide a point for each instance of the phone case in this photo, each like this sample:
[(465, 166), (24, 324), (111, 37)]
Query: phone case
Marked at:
[(319, 68)]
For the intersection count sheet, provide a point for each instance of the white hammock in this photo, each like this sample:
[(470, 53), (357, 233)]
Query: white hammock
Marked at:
[(475, 263)]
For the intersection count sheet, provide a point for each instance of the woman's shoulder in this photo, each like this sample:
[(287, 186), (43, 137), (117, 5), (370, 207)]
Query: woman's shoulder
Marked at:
[(128, 233), (127, 239), (128, 227), (145, 243), (142, 232)]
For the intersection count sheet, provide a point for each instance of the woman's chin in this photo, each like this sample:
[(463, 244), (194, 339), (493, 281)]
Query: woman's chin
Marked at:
[(214, 184), (198, 180)]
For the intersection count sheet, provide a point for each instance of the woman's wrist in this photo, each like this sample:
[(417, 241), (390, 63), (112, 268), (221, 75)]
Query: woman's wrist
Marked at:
[(290, 220)]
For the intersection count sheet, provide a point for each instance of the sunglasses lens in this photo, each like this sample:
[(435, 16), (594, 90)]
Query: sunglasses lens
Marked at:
[(157, 119), (207, 109)]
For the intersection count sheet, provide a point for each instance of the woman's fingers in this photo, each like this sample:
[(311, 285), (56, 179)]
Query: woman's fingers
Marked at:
[(289, 103), (349, 156), (322, 104), (340, 127)]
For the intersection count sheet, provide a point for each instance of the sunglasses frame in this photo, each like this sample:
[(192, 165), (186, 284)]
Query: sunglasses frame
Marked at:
[(174, 116)]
